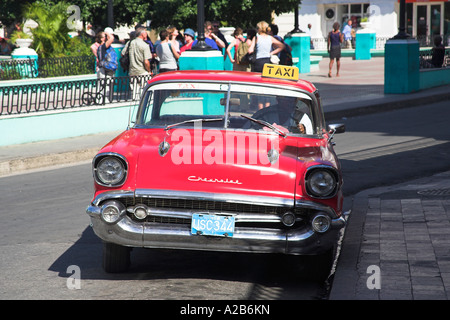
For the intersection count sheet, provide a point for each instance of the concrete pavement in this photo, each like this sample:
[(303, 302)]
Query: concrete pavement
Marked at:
[(396, 244)]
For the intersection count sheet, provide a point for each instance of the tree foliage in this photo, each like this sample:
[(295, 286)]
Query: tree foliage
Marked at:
[(183, 13), (51, 37), (162, 13)]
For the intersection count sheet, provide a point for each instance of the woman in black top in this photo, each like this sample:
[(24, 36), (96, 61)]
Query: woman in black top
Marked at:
[(335, 38)]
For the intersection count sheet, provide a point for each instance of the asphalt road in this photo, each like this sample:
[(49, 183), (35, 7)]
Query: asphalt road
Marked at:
[(49, 251)]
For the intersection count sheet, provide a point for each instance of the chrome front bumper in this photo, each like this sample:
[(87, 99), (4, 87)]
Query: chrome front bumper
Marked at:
[(131, 233)]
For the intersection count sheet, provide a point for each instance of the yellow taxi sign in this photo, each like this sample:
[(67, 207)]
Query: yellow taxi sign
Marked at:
[(280, 71)]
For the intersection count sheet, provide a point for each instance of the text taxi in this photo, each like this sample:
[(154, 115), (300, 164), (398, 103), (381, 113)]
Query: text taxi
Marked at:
[(221, 161)]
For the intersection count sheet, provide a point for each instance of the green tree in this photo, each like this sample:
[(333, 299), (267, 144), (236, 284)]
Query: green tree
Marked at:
[(183, 13), (243, 13), (51, 37)]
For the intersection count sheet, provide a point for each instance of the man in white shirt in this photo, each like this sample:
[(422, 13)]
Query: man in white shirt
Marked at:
[(347, 31)]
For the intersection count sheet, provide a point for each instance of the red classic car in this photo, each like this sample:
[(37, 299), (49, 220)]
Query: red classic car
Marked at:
[(220, 161)]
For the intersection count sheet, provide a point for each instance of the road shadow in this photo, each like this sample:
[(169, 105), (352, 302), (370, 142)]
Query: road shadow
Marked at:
[(272, 276)]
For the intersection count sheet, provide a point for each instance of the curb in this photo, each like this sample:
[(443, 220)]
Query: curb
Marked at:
[(14, 166), (381, 105)]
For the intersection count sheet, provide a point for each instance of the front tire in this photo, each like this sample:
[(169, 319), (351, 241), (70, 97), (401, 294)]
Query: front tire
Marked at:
[(116, 258)]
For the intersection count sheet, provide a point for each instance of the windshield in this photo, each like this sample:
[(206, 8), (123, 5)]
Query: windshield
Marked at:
[(224, 105)]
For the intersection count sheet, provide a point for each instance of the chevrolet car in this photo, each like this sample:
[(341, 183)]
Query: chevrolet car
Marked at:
[(220, 161)]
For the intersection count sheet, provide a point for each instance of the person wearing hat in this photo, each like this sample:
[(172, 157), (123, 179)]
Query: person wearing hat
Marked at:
[(105, 55), (189, 36), (107, 62)]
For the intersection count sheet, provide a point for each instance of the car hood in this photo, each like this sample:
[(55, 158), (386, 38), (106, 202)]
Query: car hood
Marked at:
[(217, 161)]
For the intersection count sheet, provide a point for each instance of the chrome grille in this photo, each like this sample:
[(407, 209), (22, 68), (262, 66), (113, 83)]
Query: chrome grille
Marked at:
[(208, 205)]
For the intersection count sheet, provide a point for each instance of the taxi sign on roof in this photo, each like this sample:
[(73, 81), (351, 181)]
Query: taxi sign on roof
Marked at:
[(280, 71)]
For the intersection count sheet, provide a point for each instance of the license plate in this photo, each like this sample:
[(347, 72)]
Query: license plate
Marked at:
[(212, 225)]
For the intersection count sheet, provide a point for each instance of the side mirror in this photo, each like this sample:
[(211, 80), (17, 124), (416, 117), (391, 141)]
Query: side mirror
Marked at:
[(336, 128)]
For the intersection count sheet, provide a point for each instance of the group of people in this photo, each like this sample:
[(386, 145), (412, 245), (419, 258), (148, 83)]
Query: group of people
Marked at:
[(140, 51), (263, 43)]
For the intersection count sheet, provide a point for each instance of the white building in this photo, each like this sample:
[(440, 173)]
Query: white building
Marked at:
[(424, 18)]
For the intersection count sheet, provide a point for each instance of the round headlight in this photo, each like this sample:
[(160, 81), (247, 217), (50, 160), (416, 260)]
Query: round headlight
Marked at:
[(110, 171), (321, 183)]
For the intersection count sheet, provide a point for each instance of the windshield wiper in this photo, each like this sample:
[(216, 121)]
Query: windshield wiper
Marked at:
[(170, 126), (266, 124)]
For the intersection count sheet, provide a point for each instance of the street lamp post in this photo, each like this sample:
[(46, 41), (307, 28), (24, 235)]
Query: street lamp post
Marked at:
[(402, 23), (201, 44), (296, 28), (110, 14)]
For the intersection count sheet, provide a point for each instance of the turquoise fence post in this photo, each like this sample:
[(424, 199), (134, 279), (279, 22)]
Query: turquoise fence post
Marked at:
[(201, 60), (118, 49), (24, 53), (122, 85), (365, 41), (301, 50), (401, 66)]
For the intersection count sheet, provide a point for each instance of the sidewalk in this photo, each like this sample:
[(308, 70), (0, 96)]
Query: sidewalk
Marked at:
[(402, 234), (403, 230)]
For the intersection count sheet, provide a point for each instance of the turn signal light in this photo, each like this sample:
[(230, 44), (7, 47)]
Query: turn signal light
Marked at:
[(321, 223)]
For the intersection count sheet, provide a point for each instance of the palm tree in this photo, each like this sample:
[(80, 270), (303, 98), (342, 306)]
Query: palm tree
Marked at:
[(51, 37)]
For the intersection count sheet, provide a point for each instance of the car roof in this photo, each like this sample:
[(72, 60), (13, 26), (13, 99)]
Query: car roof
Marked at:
[(236, 76)]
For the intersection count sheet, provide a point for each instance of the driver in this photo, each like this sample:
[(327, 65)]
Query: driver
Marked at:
[(288, 112)]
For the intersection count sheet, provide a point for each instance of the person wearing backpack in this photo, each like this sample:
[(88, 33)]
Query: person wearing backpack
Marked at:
[(107, 57), (107, 63), (241, 46)]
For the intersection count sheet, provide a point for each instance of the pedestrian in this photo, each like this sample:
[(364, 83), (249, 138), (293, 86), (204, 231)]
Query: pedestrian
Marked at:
[(173, 35), (140, 57), (107, 62), (438, 54), (437, 58), (5, 48), (106, 55), (189, 37), (309, 32), (264, 45), (285, 55), (335, 38), (238, 35), (347, 31), (167, 52), (218, 33), (140, 54), (210, 38), (99, 37), (153, 61)]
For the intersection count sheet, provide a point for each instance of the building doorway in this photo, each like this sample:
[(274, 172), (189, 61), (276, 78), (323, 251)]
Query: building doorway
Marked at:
[(428, 21)]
